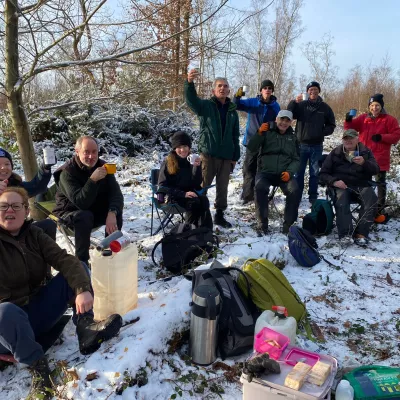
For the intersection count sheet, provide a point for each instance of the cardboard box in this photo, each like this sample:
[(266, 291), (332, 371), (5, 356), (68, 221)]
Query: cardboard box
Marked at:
[(271, 386)]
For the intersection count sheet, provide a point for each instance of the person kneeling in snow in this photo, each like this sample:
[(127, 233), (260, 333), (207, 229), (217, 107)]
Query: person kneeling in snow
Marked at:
[(28, 306), (181, 181), (279, 161), (348, 170)]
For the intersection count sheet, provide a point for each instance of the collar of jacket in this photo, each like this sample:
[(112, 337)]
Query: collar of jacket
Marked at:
[(5, 235), (271, 100), (380, 115), (289, 131), (14, 179), (231, 105), (362, 149)]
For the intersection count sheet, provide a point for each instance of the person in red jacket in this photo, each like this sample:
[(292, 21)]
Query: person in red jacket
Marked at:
[(378, 131)]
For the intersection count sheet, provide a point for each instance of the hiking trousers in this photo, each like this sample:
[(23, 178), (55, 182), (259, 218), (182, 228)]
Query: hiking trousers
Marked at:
[(213, 167), (367, 199), (197, 211), (19, 326), (290, 189), (83, 222), (249, 175)]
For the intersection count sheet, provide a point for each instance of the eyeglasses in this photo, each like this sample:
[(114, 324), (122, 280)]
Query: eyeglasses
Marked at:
[(14, 206)]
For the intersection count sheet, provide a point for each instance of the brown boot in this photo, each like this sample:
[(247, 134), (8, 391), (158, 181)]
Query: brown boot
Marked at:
[(42, 387)]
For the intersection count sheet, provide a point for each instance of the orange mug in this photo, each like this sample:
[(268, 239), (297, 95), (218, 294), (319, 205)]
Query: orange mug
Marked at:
[(111, 168)]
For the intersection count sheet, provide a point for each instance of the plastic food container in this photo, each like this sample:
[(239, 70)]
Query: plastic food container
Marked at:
[(297, 355), (262, 345)]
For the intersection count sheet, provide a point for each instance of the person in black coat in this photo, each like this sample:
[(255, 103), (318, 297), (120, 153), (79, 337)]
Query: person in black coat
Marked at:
[(348, 171), (181, 181)]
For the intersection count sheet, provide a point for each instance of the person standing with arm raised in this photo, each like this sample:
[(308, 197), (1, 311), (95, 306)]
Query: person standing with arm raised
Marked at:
[(219, 138), (315, 120), (260, 110)]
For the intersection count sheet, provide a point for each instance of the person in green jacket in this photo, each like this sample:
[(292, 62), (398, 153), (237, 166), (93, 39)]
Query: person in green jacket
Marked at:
[(279, 161), (219, 138)]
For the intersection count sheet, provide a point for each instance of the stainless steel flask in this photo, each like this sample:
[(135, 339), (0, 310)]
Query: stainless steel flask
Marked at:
[(206, 307)]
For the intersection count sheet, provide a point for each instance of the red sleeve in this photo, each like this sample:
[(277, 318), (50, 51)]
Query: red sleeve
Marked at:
[(356, 123), (393, 131)]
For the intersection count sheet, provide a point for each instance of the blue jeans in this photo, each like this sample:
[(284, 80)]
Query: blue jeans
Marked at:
[(19, 326), (311, 154)]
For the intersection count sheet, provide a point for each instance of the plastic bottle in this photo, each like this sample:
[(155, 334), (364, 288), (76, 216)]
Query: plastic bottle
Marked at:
[(106, 241), (278, 321), (344, 391), (120, 244)]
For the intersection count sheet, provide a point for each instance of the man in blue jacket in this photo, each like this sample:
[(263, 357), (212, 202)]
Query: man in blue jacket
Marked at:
[(260, 110)]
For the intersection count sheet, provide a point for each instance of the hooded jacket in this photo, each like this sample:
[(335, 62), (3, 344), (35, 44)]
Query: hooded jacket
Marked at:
[(385, 125), (213, 141), (312, 126), (75, 191), (337, 167), (258, 112), (23, 267), (278, 152)]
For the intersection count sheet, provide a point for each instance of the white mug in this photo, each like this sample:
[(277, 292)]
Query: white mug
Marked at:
[(192, 158), (305, 96), (245, 88), (49, 156)]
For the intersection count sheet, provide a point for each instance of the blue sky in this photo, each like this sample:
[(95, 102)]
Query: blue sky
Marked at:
[(364, 31)]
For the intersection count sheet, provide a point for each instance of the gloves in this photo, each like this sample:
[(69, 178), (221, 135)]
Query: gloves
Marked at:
[(240, 92), (285, 176), (263, 128), (376, 138), (349, 117)]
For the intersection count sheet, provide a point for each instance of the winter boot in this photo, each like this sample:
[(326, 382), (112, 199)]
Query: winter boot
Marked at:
[(220, 220), (91, 334), (41, 382)]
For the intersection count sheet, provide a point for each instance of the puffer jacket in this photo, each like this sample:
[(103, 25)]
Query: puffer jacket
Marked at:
[(35, 186), (213, 141), (188, 178), (75, 191), (258, 112), (278, 152), (24, 259), (312, 126), (337, 167), (385, 125)]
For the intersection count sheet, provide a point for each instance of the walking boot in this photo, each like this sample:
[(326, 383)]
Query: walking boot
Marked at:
[(41, 387), (91, 334), (220, 220)]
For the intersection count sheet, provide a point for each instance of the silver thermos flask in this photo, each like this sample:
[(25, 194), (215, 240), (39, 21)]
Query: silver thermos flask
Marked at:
[(205, 309)]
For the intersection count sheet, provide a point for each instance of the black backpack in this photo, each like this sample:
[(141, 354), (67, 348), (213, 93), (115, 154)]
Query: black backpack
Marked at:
[(238, 315), (183, 244)]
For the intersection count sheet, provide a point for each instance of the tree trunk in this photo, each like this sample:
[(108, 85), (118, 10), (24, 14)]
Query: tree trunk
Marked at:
[(14, 95)]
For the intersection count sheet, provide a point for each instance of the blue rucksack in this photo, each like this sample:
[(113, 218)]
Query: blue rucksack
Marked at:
[(303, 247)]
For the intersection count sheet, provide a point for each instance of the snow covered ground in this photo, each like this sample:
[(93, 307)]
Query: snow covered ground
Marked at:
[(355, 304)]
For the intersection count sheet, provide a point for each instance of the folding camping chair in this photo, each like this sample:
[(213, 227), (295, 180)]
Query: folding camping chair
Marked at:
[(46, 203), (168, 210)]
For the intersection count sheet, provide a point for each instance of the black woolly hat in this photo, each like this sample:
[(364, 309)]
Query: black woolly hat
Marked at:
[(6, 154), (266, 82), (313, 84), (180, 139), (377, 98)]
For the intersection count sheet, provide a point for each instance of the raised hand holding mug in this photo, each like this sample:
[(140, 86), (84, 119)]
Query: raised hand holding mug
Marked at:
[(49, 156), (194, 159)]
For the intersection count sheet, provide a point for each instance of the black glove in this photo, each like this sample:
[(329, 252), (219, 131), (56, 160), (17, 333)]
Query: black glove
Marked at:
[(349, 117), (376, 138)]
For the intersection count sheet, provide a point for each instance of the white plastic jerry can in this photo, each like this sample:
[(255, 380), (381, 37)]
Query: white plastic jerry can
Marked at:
[(114, 281), (278, 321)]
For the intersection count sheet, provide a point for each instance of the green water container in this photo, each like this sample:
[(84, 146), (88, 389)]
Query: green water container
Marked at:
[(374, 382)]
